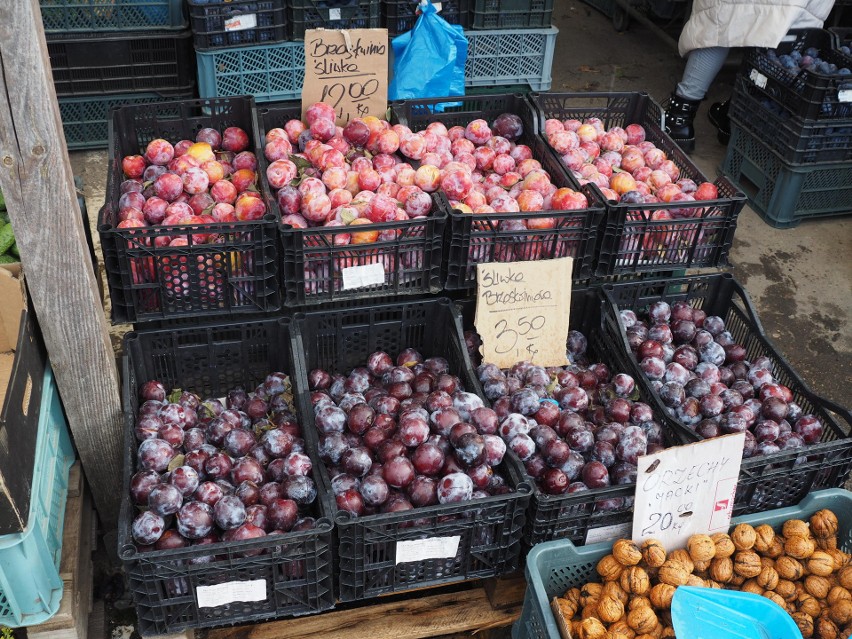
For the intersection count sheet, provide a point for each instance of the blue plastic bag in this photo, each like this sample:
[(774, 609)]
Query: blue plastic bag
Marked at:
[(428, 60)]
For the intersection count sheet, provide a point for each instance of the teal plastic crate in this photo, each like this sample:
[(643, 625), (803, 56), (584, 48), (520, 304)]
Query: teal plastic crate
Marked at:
[(555, 566), (85, 119), (510, 56), (83, 17), (783, 194), (30, 585), (269, 72)]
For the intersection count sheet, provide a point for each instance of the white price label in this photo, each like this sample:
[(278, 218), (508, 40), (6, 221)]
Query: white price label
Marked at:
[(429, 548), (758, 78), (334, 14), (608, 533), (229, 592), (361, 276), (844, 95), (241, 23)]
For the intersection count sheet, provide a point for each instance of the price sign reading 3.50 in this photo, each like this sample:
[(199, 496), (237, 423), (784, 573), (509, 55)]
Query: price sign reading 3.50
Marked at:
[(522, 311)]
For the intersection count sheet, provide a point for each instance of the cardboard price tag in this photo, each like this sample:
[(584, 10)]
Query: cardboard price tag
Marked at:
[(687, 490), (347, 69), (522, 311)]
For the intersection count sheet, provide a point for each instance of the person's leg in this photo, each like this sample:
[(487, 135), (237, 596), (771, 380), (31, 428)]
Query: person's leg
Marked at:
[(702, 66)]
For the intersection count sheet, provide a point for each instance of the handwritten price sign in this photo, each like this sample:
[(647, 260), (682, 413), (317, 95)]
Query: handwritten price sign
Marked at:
[(347, 69), (686, 490), (522, 311)]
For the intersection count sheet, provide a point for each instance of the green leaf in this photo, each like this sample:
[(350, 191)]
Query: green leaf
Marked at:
[(174, 396), (301, 163)]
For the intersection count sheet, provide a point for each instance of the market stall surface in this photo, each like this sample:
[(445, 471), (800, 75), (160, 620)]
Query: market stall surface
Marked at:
[(799, 279)]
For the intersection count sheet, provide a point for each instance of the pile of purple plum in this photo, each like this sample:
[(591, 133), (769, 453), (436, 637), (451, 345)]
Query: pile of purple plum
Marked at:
[(703, 378), (211, 470), (400, 434), (577, 427)]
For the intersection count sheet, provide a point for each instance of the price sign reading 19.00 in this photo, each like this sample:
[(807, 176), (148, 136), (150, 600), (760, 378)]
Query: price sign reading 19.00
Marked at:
[(522, 311)]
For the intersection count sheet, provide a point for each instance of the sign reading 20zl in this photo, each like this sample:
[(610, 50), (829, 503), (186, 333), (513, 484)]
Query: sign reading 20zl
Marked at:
[(522, 311)]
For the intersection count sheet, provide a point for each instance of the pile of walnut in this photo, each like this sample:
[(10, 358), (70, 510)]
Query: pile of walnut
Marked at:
[(801, 570)]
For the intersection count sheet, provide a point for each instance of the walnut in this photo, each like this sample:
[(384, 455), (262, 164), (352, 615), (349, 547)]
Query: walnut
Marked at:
[(776, 548), (709, 583), (635, 580), (737, 580), (823, 524), (826, 629), (799, 547), (722, 569), (592, 628), (572, 595), (826, 543), (776, 598), (626, 552), (567, 608), (844, 577), (764, 537), (805, 623), (789, 568), (841, 559), (744, 537), (753, 587), (638, 601), (820, 563), (701, 548), (590, 594), (724, 545), (613, 589), (620, 630), (701, 567), (661, 595), (673, 572), (642, 619), (838, 593), (610, 609), (589, 611), (796, 527), (767, 562), (609, 569), (809, 605), (683, 557), (653, 553), (786, 589), (668, 632), (841, 612), (817, 586), (747, 563), (768, 578)]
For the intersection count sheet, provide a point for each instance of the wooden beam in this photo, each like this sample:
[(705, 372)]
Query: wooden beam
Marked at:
[(416, 618), (36, 179)]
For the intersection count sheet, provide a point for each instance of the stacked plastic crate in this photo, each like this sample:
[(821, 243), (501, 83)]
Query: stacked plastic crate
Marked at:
[(107, 55), (791, 142)]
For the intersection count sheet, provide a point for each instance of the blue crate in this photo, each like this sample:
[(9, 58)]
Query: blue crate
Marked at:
[(556, 566), (82, 17), (30, 585), (85, 119)]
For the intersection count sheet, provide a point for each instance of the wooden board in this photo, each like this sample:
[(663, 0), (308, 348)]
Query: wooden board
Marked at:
[(506, 592), (416, 618), (75, 567)]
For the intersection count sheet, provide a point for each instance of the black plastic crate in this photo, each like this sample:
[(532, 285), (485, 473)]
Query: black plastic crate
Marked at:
[(478, 239), (312, 264), (772, 481), (782, 194), (399, 16), (633, 241), (806, 94), (149, 282), (331, 14), (91, 17), (796, 140), (601, 513), (296, 567), (489, 529), (237, 23), (161, 62), (511, 14)]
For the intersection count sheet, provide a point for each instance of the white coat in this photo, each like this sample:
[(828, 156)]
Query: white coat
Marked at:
[(748, 23)]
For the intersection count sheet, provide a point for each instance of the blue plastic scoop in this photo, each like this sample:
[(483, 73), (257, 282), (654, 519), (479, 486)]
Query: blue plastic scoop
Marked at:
[(708, 613)]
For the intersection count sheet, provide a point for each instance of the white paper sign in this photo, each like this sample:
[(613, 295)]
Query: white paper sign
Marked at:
[(334, 13), (361, 276), (687, 490), (844, 95), (229, 592), (758, 78), (608, 533), (429, 548), (241, 23)]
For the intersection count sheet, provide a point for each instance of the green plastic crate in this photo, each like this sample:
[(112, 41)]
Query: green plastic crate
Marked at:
[(83, 17), (555, 566)]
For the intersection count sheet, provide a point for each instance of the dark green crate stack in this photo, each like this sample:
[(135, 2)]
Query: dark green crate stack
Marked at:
[(791, 133), (108, 55)]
